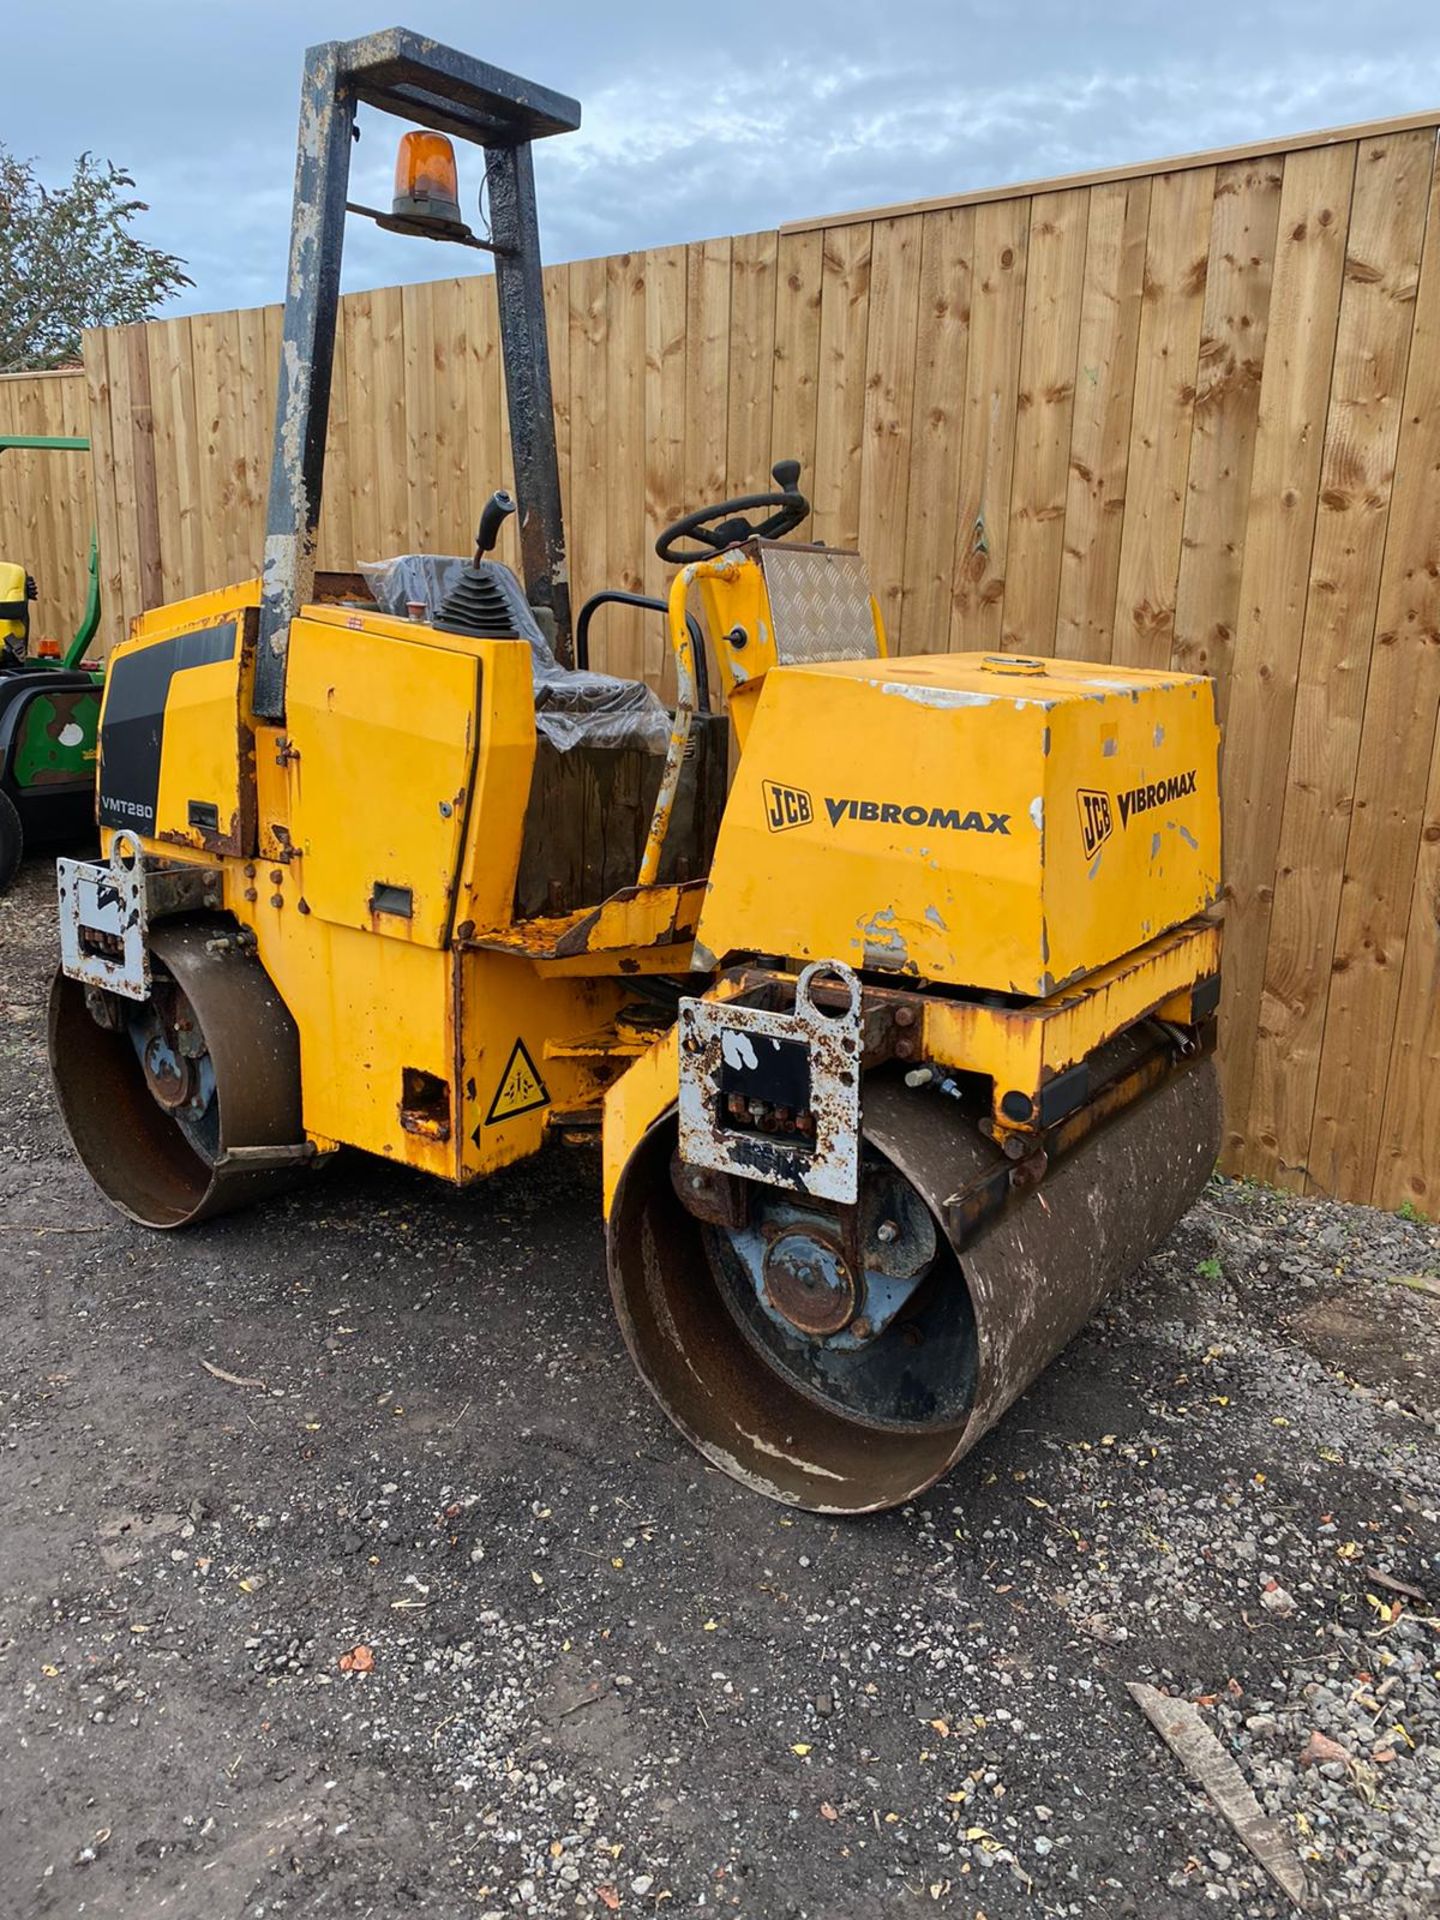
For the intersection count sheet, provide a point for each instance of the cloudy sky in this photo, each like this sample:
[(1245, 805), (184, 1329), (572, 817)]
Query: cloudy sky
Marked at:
[(698, 119)]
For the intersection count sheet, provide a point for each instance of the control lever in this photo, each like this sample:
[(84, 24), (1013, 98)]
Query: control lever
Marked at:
[(497, 510)]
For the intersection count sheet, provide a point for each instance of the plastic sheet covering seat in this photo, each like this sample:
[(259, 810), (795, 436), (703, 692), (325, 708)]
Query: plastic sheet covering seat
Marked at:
[(573, 707)]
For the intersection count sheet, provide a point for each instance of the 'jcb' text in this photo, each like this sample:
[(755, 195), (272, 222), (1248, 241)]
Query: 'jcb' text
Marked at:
[(1158, 793), (786, 806), (891, 813)]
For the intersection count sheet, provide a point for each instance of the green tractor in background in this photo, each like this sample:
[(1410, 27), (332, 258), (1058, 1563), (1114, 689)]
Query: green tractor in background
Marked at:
[(49, 710)]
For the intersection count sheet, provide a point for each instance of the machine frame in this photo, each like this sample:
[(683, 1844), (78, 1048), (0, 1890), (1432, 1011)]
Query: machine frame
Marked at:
[(897, 1071)]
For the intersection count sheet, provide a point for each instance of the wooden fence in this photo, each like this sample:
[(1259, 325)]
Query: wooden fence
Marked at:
[(47, 506), (1185, 415)]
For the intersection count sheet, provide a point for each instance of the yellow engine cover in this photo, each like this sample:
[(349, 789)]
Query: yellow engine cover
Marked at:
[(982, 821)]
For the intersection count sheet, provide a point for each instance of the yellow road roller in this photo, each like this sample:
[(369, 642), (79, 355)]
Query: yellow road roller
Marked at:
[(888, 984)]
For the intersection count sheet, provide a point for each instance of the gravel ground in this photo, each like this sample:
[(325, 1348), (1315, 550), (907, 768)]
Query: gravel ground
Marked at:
[(442, 1618)]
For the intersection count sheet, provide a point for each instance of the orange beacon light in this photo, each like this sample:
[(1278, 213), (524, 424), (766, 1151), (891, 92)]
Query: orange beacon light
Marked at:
[(426, 184)]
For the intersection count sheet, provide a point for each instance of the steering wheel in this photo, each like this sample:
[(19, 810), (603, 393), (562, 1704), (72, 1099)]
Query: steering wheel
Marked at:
[(722, 526)]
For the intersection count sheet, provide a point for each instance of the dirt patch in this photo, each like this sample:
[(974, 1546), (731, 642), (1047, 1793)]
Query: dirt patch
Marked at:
[(1391, 1348)]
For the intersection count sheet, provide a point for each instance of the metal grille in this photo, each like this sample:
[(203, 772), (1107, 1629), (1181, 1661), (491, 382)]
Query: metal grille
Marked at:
[(820, 604)]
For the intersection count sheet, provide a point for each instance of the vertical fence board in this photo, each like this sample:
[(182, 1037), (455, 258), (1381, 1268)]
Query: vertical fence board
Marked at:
[(1227, 405), (1378, 1023), (664, 430), (358, 323), (751, 395), (1176, 257), (992, 376), (794, 392), (557, 322), (336, 539), (391, 438), (624, 503), (840, 416), (889, 404), (128, 589), (103, 465), (1050, 339), (1100, 424), (1372, 348), (256, 394), (230, 506), (212, 405), (424, 434), (589, 428), (942, 348), (179, 496), (707, 368), (1284, 491), (486, 437)]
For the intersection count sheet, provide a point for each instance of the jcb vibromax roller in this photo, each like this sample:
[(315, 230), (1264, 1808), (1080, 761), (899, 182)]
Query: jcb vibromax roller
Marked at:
[(899, 1034)]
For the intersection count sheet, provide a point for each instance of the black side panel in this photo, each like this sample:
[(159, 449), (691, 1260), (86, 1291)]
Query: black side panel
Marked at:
[(589, 816), (134, 721)]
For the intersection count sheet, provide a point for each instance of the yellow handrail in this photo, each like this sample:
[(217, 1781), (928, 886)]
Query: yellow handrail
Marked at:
[(679, 741)]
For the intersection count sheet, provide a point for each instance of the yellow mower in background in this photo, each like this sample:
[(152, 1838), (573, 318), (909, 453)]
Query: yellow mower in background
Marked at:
[(898, 1037)]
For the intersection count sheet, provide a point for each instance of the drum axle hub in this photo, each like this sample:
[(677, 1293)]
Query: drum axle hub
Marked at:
[(807, 1280)]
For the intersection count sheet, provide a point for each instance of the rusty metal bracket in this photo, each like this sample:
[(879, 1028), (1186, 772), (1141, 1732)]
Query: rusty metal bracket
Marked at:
[(718, 1198), (106, 910), (807, 1140)]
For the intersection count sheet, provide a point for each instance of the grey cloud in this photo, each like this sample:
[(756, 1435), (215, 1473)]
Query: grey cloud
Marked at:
[(694, 128)]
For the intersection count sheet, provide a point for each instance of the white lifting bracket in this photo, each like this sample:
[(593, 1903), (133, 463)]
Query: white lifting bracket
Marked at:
[(106, 908), (775, 1096)]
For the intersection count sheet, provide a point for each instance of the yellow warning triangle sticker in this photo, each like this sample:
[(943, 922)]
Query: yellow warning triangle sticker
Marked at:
[(521, 1090)]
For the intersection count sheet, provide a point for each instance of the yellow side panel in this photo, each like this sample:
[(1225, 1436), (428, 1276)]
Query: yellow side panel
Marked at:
[(381, 735), (370, 1010), (1132, 819), (633, 1105), (511, 1086), (373, 1011), (410, 768), (367, 1008), (929, 816), (501, 786)]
